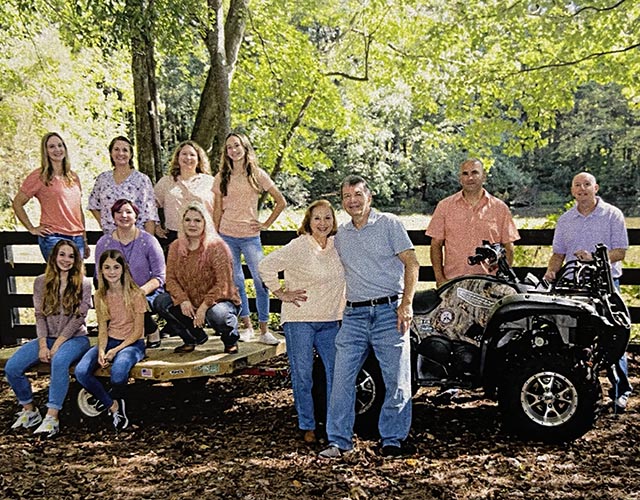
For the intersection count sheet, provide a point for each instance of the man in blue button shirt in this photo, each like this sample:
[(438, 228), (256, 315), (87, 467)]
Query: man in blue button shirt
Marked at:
[(381, 271)]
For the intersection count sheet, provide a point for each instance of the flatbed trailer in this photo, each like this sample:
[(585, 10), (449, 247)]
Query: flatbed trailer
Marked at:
[(162, 364)]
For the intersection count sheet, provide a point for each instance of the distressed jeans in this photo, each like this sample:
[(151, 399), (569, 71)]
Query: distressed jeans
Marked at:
[(120, 368), (222, 317), (251, 248)]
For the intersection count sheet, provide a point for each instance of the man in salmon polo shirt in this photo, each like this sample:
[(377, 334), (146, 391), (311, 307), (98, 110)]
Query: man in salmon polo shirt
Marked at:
[(462, 221)]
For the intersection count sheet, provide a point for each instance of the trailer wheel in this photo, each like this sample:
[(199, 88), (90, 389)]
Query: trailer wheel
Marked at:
[(88, 404)]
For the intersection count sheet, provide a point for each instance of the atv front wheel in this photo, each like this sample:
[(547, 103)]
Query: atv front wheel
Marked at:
[(552, 398)]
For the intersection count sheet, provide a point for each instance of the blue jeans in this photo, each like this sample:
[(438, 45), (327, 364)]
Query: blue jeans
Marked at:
[(27, 356), (619, 379), (251, 248), (120, 368), (618, 374), (222, 317), (363, 329), (47, 243), (302, 337)]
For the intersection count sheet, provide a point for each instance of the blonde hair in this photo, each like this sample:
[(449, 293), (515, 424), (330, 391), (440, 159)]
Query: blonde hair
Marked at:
[(72, 294), (129, 287), (207, 238), (46, 167), (203, 166), (250, 164)]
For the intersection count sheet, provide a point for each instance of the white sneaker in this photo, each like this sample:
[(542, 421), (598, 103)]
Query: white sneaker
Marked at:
[(50, 426), (333, 452), (246, 334), (621, 402), (120, 419), (268, 338), (27, 419)]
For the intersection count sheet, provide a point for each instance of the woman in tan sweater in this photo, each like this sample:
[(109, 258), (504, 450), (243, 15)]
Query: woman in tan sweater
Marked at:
[(313, 300), (200, 287)]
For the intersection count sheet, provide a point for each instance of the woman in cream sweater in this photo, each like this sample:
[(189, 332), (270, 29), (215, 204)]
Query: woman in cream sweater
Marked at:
[(312, 303)]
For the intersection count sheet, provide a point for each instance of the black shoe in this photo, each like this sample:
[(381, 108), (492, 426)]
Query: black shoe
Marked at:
[(231, 349), (184, 348), (153, 344), (391, 451), (120, 419)]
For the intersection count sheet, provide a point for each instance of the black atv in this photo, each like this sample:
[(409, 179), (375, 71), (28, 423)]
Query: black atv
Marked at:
[(536, 348)]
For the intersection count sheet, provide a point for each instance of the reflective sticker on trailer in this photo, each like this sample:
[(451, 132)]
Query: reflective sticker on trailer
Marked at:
[(146, 372), (209, 369)]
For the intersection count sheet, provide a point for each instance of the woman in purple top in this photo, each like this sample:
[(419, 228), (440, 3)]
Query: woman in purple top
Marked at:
[(144, 255), (123, 182), (61, 299)]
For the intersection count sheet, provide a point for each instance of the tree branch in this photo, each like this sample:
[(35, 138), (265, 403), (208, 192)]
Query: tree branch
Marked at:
[(365, 77), (277, 167), (234, 28), (575, 61), (599, 9)]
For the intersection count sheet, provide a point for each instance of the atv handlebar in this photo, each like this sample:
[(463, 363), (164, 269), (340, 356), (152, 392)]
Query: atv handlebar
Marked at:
[(493, 256), (489, 253)]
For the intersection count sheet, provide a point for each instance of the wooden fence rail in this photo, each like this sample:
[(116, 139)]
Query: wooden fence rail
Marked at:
[(11, 301)]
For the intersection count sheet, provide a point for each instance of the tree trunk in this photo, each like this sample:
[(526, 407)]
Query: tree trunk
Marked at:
[(143, 66), (223, 40)]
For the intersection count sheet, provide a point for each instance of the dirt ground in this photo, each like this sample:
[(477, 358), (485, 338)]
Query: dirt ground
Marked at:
[(236, 438)]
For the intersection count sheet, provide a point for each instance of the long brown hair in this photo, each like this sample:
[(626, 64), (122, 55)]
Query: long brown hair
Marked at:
[(46, 167), (129, 287), (203, 166), (250, 163), (72, 294)]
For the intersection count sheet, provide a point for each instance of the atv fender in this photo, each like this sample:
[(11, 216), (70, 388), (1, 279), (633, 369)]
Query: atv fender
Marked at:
[(522, 305)]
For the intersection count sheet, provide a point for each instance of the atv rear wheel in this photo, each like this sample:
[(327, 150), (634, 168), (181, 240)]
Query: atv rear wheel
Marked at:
[(369, 396), (552, 397)]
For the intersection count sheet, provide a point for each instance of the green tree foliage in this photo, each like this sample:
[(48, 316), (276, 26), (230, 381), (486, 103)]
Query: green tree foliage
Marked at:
[(398, 91), (45, 86)]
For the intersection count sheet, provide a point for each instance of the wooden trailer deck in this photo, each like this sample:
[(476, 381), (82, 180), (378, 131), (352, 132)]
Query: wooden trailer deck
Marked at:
[(162, 364)]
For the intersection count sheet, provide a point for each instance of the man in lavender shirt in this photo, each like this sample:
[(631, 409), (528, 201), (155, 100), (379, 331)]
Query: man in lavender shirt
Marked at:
[(579, 230)]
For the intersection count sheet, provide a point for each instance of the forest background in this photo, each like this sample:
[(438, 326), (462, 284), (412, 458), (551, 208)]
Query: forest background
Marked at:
[(398, 91)]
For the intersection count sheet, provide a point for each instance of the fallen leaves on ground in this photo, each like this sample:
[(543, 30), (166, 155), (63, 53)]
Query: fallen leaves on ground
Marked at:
[(236, 438)]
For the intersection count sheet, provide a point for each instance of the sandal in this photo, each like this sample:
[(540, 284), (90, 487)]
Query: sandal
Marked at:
[(231, 349), (184, 348)]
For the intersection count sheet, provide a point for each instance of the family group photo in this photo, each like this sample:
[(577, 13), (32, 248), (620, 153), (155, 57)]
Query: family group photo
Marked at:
[(348, 250)]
